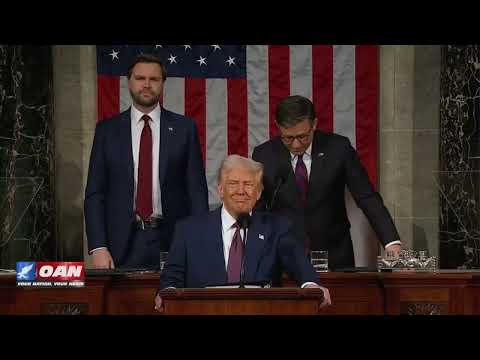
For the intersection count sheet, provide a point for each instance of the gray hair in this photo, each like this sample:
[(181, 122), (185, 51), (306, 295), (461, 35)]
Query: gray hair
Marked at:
[(237, 161)]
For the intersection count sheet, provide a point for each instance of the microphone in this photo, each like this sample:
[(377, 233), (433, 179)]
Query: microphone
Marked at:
[(244, 221), (278, 183)]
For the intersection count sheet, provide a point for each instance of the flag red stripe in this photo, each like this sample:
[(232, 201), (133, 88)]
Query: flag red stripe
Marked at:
[(237, 102), (278, 80), (366, 109), (322, 85), (108, 96), (196, 107)]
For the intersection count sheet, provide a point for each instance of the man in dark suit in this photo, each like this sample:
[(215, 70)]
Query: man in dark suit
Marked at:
[(305, 175), (209, 249), (146, 172)]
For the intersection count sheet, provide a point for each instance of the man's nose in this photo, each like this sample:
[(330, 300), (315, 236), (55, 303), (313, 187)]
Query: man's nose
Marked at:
[(296, 143), (240, 189)]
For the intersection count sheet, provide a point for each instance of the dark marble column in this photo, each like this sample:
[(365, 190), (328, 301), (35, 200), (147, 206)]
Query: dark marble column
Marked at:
[(459, 157), (27, 216)]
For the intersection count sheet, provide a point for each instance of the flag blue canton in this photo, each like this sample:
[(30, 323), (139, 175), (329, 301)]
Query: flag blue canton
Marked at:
[(196, 61)]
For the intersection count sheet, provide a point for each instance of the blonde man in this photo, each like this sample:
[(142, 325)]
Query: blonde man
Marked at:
[(210, 249)]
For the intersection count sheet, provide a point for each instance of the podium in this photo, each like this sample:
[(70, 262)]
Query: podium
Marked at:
[(245, 301)]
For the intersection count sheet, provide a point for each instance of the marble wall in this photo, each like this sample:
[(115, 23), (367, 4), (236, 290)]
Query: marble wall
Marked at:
[(75, 119), (27, 199), (409, 132), (459, 157)]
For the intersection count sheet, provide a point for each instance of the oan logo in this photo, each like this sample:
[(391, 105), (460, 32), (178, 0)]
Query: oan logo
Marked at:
[(60, 271)]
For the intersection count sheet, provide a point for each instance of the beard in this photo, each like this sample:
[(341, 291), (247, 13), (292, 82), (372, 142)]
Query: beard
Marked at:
[(138, 99)]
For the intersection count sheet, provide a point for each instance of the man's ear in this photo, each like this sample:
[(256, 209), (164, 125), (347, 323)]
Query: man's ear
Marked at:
[(259, 195)]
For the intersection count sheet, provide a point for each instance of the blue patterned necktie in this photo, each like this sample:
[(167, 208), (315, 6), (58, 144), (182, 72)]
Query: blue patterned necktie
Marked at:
[(301, 177), (235, 256)]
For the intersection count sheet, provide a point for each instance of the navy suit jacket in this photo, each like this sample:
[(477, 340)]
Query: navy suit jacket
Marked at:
[(109, 212), (196, 257)]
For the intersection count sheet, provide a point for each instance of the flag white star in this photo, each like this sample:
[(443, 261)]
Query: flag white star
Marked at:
[(172, 59), (202, 61), (187, 47), (216, 47), (114, 54), (230, 61)]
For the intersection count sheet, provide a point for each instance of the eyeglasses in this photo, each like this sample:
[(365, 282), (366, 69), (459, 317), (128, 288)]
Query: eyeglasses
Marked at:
[(303, 138)]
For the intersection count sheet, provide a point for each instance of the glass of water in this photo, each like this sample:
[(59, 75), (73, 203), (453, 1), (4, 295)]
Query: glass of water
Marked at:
[(163, 259), (319, 260)]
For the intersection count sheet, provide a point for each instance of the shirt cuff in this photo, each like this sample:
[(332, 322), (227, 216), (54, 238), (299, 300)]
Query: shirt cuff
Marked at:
[(308, 283), (91, 251), (397, 242)]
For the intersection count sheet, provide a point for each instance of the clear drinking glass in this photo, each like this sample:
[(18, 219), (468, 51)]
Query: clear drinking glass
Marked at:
[(319, 260), (163, 259)]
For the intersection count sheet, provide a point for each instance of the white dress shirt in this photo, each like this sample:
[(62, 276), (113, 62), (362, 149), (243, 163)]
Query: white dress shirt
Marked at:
[(137, 127), (307, 159), (228, 230)]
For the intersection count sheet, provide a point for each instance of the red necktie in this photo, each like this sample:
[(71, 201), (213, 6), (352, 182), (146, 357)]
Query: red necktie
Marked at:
[(144, 181), (235, 257), (301, 177)]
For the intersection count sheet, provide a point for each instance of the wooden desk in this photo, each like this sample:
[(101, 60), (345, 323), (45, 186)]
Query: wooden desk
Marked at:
[(352, 294), (274, 301)]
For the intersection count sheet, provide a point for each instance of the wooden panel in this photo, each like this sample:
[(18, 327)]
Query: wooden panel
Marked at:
[(275, 301), (352, 293), (86, 301), (241, 307), (133, 301), (410, 293), (355, 301)]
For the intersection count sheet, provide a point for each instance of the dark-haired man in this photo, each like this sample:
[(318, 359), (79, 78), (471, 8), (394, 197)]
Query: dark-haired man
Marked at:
[(306, 172), (145, 173)]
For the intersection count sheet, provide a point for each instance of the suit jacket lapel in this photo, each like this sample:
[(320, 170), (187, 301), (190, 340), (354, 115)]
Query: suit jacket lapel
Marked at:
[(256, 239), (290, 188), (125, 142), (318, 163), (166, 129)]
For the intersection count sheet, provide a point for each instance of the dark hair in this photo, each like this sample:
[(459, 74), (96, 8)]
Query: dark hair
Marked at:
[(293, 110), (148, 59)]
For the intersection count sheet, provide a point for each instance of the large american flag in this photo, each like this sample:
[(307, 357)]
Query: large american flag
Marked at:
[(231, 91)]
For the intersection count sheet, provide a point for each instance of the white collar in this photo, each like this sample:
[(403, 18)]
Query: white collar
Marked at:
[(228, 220), (136, 115), (308, 152)]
